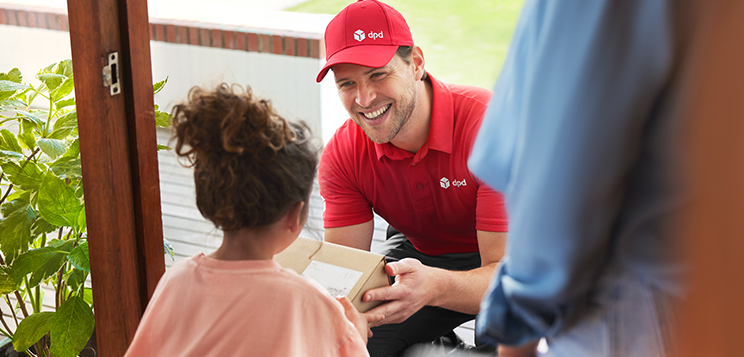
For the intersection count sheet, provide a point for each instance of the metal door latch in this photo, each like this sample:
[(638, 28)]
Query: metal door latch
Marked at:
[(111, 74)]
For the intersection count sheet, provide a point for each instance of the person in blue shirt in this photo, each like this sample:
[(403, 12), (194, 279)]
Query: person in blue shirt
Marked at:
[(583, 137)]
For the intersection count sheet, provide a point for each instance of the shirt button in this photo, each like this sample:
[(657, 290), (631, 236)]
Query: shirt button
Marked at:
[(420, 187), (414, 164)]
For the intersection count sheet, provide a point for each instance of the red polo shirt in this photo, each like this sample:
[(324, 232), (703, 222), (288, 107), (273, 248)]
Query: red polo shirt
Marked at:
[(430, 196)]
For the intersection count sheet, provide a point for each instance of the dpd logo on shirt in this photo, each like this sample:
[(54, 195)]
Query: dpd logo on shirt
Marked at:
[(445, 183)]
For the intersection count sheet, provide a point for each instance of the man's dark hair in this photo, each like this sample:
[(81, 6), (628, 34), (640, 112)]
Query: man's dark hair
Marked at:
[(405, 53)]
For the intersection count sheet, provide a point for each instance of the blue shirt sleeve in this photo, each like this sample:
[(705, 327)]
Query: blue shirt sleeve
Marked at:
[(562, 130)]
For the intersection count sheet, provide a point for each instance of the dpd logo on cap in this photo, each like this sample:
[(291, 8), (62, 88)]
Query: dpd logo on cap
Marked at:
[(359, 35)]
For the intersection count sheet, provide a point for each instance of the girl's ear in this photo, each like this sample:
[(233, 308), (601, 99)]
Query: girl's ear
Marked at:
[(294, 217)]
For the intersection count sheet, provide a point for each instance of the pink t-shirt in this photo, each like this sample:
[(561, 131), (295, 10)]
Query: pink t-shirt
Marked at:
[(207, 307)]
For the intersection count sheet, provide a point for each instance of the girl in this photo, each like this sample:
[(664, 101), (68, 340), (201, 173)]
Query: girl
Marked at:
[(253, 173)]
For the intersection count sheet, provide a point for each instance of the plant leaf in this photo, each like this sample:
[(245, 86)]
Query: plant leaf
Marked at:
[(27, 116), (64, 67), (27, 178), (88, 296), (158, 86), (82, 219), (74, 149), (15, 233), (57, 202), (162, 119), (20, 202), (31, 330), (41, 263), (79, 257), (52, 266), (168, 249), (9, 142), (163, 147), (7, 283), (65, 103), (10, 86), (41, 226), (27, 139), (54, 148), (67, 167), (64, 90), (75, 278), (12, 103), (51, 80), (14, 76), (64, 126), (6, 155), (72, 326)]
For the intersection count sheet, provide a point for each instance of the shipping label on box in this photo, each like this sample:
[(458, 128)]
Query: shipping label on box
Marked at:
[(344, 271)]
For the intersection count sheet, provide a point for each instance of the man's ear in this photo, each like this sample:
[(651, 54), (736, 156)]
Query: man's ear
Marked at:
[(294, 217), (418, 62)]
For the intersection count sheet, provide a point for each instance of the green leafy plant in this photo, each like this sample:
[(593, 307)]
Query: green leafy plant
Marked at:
[(43, 239)]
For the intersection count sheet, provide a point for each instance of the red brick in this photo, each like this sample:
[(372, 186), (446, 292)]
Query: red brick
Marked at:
[(3, 20), (183, 34), (217, 38), (277, 45), (204, 37), (152, 32), (159, 32), (229, 37), (41, 20), (302, 47), (289, 46), (315, 48), (32, 20), (52, 21), (22, 20), (170, 33), (62, 20), (12, 19), (193, 36), (252, 42), (240, 38), (264, 43)]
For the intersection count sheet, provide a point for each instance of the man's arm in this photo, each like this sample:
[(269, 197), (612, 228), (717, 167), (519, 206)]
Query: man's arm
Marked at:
[(357, 236), (417, 285), (562, 133)]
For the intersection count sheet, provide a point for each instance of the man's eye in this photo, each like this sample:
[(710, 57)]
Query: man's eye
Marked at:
[(345, 84), (377, 74)]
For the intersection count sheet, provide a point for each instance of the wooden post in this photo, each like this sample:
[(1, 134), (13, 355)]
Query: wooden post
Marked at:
[(119, 161), (711, 317)]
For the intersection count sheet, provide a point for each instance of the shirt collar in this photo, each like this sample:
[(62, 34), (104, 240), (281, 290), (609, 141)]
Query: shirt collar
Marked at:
[(440, 131)]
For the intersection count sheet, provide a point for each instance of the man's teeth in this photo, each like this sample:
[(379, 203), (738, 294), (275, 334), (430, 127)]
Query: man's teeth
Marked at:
[(377, 113)]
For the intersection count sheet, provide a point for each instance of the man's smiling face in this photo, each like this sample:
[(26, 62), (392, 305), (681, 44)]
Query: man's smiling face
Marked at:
[(379, 100)]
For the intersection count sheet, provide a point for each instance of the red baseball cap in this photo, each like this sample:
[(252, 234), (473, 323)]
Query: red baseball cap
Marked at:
[(366, 33)]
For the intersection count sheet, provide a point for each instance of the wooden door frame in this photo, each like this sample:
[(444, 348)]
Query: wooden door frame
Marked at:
[(119, 162)]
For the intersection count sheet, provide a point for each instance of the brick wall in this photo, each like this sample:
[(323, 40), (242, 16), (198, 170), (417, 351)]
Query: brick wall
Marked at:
[(181, 32)]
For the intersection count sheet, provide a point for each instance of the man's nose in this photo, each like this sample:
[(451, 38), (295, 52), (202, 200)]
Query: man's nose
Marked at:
[(365, 96)]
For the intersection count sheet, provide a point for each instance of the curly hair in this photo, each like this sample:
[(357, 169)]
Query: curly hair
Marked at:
[(250, 164)]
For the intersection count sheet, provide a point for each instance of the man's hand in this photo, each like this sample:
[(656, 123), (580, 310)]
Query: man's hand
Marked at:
[(412, 290), (359, 320)]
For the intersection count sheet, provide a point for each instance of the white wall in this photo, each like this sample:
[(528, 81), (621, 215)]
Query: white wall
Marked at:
[(287, 81)]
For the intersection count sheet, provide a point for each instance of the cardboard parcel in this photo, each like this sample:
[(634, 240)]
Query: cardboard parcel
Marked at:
[(342, 270)]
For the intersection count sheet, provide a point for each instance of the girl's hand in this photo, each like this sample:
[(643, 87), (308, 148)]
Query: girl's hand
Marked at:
[(356, 318)]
